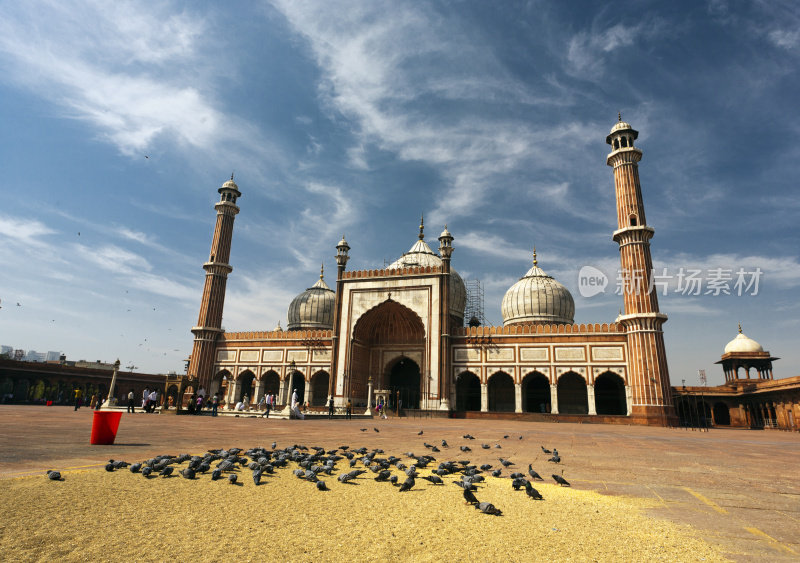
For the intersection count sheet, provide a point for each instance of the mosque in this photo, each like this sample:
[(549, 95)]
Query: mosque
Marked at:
[(397, 335)]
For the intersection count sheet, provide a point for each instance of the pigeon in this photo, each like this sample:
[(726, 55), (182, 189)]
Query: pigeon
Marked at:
[(466, 449), (167, 471), (434, 479), (53, 475), (489, 508), (444, 444), (188, 473), (257, 477), (363, 429), (545, 450), (560, 480), (555, 459), (407, 484), (469, 496), (147, 470), (505, 437), (531, 492), (393, 479), (497, 472), (110, 467), (497, 446), (232, 478), (383, 475), (216, 474), (533, 473), (505, 462), (485, 446), (518, 483), (135, 467), (274, 445), (321, 486), (419, 433), (376, 430)]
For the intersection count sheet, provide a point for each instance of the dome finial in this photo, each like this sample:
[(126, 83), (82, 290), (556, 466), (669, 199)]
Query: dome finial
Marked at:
[(321, 270), (232, 176), (619, 115), (421, 227), (535, 261), (740, 328)]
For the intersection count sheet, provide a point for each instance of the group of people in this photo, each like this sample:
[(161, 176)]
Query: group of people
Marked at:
[(149, 400)]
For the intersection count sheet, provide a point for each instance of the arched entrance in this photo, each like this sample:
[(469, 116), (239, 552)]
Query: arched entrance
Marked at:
[(722, 416), (404, 382), (219, 385), (572, 396), (297, 382), (535, 393), (245, 386), (468, 392), (271, 383), (609, 394), (319, 388), (381, 333), (501, 392)]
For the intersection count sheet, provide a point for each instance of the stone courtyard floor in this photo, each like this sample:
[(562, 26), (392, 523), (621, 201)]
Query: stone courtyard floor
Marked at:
[(739, 489)]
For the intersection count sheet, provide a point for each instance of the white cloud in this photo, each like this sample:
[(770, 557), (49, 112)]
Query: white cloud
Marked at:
[(494, 245), (24, 231)]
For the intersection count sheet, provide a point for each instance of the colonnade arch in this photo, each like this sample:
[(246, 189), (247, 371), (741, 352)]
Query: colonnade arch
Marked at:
[(319, 388), (468, 392), (501, 392), (609, 394), (536, 393), (572, 394)]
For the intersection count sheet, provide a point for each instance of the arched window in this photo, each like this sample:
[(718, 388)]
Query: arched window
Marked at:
[(633, 220)]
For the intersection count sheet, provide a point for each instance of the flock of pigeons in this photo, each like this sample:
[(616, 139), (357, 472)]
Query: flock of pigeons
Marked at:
[(315, 463)]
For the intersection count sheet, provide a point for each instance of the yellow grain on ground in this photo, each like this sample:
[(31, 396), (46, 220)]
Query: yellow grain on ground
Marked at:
[(94, 515)]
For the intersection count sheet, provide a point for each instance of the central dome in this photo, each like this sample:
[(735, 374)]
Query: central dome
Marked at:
[(312, 309), (537, 298), (420, 255)]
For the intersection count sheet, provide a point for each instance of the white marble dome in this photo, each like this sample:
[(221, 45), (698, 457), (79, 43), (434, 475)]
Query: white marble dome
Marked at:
[(421, 255), (313, 309), (538, 298), (743, 344)]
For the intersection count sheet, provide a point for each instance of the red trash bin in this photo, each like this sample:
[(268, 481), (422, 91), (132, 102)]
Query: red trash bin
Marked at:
[(104, 427)]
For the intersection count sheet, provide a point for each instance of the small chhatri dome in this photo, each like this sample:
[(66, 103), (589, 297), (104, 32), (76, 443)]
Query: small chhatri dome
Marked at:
[(445, 233), (621, 126), (313, 309), (420, 255), (537, 298), (278, 328), (743, 344)]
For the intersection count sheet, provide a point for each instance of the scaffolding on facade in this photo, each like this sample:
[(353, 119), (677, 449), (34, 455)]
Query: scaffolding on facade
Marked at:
[(473, 313)]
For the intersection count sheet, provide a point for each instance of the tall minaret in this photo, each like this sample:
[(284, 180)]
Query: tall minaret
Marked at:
[(209, 322), (647, 360)]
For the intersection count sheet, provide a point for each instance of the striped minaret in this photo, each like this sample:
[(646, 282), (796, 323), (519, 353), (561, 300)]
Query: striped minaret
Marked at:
[(209, 322), (647, 360)]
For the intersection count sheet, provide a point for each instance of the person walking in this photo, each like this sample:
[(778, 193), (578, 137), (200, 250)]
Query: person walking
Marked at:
[(268, 404), (214, 404), (152, 400), (246, 402), (330, 408), (145, 399), (349, 409), (78, 398), (131, 396), (199, 407)]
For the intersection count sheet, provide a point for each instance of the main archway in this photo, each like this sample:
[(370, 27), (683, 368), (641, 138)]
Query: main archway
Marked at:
[(404, 383), (388, 330), (468, 392)]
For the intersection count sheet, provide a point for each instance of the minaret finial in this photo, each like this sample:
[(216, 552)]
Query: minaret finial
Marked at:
[(535, 261), (422, 227), (231, 176), (619, 115), (322, 270), (740, 328)]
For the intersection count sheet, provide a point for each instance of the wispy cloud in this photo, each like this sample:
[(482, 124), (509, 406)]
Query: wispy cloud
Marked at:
[(27, 232)]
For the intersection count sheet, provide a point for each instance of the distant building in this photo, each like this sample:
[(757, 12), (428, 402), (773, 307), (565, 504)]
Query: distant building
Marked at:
[(6, 350)]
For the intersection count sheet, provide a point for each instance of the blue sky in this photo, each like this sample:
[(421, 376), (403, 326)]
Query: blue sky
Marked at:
[(120, 120)]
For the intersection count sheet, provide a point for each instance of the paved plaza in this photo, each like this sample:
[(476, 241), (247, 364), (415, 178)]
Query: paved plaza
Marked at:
[(738, 488)]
